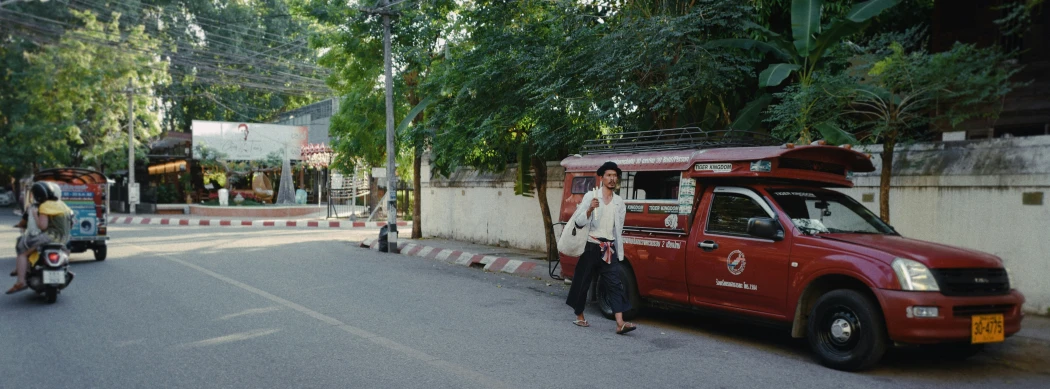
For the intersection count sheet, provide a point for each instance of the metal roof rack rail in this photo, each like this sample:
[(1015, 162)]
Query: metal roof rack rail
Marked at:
[(684, 138)]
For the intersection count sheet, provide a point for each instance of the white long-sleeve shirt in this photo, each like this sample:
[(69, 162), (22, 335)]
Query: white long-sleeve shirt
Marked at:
[(615, 212)]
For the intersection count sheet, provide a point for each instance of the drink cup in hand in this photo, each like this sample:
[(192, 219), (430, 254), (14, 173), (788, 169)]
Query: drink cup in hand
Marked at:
[(594, 201)]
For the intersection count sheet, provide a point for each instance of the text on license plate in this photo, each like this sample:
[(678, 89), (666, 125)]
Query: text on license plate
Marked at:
[(53, 277), (987, 328)]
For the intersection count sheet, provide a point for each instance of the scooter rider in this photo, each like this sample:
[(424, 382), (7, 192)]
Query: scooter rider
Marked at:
[(52, 217)]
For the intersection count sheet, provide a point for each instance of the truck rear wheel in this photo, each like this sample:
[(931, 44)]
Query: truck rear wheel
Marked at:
[(629, 283), (100, 252), (846, 331)]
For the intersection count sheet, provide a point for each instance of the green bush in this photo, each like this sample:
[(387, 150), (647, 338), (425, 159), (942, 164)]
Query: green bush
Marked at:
[(166, 194)]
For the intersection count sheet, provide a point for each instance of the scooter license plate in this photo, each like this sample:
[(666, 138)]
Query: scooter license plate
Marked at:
[(54, 277)]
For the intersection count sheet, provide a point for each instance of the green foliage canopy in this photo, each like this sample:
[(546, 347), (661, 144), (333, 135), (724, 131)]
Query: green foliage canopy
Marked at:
[(75, 97)]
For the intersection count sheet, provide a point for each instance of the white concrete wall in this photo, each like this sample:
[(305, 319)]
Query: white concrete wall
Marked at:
[(482, 208)]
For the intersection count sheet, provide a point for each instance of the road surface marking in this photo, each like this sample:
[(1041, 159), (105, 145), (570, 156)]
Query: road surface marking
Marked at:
[(379, 340)]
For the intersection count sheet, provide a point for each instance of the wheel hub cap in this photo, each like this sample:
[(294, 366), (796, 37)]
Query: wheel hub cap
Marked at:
[(841, 330)]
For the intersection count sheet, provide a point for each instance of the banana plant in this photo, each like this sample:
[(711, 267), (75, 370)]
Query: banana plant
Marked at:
[(804, 51), (809, 41)]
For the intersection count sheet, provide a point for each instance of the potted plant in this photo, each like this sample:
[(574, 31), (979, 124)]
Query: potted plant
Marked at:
[(187, 187)]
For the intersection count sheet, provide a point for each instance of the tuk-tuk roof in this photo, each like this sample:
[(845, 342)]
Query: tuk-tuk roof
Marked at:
[(71, 176), (685, 159)]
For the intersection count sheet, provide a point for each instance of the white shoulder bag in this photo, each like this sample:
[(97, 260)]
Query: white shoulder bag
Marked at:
[(573, 240)]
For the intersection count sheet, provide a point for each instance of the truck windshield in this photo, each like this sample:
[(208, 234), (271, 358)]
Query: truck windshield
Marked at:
[(819, 212)]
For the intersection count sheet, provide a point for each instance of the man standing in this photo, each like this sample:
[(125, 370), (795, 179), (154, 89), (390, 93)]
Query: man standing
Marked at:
[(604, 211)]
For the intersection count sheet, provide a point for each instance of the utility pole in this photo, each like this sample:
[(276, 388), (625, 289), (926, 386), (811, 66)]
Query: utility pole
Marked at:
[(391, 172), (133, 188)]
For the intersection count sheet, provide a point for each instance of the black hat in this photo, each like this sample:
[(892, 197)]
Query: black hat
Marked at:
[(610, 166)]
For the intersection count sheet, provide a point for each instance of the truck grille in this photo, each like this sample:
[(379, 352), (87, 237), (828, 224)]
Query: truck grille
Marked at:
[(972, 282), (970, 310)]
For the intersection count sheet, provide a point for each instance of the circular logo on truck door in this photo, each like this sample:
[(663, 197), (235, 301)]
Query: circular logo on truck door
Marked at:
[(736, 262)]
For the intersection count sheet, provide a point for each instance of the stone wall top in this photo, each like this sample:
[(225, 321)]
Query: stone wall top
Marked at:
[(983, 157), (468, 178)]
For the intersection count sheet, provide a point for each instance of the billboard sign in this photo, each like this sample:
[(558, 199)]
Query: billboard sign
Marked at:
[(249, 141)]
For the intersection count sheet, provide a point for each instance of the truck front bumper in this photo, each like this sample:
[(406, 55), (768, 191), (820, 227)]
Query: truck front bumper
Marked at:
[(953, 324)]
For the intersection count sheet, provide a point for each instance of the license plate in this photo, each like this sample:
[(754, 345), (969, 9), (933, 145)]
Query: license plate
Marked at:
[(987, 328), (54, 277)]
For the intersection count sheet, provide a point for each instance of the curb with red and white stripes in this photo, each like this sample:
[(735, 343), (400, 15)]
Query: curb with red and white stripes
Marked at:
[(164, 221), (488, 262)]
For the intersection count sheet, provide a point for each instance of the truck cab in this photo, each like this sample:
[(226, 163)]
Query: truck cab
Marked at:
[(759, 232)]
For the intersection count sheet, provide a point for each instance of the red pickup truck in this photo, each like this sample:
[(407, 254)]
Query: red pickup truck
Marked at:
[(755, 232)]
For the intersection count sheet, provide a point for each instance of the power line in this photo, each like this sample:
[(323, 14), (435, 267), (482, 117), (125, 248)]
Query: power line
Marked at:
[(213, 23), (51, 32), (222, 42), (212, 98)]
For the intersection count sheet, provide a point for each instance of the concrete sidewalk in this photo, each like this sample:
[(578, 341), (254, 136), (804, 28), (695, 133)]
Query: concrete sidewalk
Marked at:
[(317, 220), (489, 258), (1034, 328)]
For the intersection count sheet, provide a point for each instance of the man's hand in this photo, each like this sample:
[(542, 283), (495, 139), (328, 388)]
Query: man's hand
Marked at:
[(594, 205)]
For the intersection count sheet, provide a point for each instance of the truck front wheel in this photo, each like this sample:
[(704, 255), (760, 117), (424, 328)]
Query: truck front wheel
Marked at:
[(846, 331)]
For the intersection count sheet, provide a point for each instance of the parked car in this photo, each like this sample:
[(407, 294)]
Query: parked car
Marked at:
[(7, 197), (759, 232)]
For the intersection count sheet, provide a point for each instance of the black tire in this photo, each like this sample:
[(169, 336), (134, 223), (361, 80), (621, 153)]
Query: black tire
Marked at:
[(858, 339), (51, 295), (100, 252), (629, 282)]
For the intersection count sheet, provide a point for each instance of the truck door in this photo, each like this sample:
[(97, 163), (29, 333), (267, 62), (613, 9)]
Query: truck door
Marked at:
[(728, 267)]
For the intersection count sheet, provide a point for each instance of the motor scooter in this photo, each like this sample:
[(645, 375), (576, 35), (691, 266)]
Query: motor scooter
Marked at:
[(48, 272)]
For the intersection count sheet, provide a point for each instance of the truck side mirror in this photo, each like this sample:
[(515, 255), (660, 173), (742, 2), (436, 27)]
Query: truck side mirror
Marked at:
[(765, 228)]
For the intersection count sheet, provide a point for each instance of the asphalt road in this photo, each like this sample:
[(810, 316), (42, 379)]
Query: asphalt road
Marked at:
[(200, 307)]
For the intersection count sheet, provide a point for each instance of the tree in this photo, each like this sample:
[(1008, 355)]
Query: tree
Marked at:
[(805, 53), (353, 44), (530, 81), (234, 61), (652, 59), (230, 61), (906, 91), (503, 96), (75, 95), (23, 151)]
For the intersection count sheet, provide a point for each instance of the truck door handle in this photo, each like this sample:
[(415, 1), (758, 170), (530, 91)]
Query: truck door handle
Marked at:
[(707, 245)]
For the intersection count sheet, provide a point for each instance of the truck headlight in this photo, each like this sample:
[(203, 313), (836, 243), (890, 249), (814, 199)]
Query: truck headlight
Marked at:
[(914, 276)]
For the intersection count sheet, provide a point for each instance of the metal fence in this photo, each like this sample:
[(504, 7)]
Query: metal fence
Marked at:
[(343, 192)]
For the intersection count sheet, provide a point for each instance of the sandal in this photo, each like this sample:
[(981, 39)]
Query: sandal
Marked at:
[(626, 327), (581, 323), (19, 286)]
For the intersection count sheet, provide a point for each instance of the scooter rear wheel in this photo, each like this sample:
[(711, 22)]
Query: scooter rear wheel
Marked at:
[(51, 296)]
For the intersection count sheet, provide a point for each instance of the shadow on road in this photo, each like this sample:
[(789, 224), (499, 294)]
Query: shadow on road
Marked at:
[(1016, 353)]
